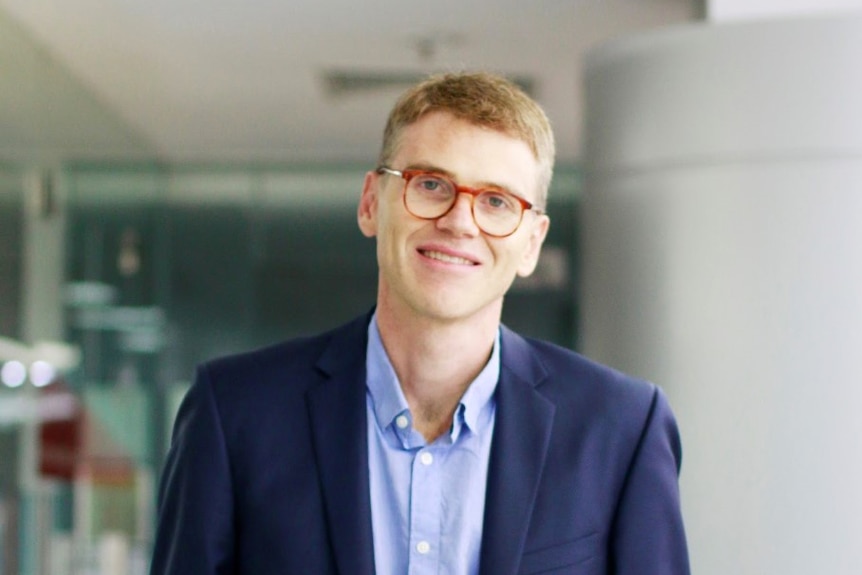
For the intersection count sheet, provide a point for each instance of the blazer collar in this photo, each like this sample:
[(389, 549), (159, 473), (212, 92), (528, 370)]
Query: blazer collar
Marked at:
[(337, 412), (522, 433)]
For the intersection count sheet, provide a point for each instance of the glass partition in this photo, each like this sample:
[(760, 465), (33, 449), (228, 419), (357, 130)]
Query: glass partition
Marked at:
[(11, 249), (166, 267)]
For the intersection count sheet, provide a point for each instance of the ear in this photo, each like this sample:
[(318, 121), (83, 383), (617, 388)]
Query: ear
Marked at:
[(366, 213), (530, 257)]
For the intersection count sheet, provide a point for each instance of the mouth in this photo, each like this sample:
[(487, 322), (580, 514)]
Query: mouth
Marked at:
[(447, 258)]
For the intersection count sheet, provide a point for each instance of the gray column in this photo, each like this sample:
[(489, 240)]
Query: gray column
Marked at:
[(723, 260)]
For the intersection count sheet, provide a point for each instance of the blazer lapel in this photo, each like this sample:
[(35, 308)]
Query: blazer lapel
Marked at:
[(338, 419), (522, 432)]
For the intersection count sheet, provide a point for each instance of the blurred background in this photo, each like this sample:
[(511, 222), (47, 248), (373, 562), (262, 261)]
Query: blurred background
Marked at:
[(178, 180)]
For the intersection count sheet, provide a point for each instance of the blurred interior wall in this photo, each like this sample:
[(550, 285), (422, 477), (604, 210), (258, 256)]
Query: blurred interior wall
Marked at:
[(722, 222)]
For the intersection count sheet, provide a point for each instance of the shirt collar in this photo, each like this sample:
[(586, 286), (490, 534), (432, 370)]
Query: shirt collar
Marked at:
[(475, 409), (386, 395)]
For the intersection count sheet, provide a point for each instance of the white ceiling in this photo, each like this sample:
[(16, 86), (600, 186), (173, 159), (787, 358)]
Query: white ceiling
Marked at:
[(242, 80)]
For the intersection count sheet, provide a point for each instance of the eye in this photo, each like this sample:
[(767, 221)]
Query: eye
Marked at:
[(429, 183), (432, 185), (497, 202)]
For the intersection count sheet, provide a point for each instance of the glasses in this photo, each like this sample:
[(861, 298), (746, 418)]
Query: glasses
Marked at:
[(431, 195)]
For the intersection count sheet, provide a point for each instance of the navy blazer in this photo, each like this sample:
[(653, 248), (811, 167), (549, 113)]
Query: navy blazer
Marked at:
[(268, 469)]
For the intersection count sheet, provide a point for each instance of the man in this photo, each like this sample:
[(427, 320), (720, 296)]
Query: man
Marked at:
[(425, 437)]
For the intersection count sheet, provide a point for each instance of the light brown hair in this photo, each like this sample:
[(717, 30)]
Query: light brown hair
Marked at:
[(483, 99)]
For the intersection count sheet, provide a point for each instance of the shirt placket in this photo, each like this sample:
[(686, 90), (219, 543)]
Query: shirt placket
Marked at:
[(425, 512)]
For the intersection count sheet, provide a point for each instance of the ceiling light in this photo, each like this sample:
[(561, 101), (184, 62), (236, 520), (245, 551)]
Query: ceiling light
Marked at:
[(42, 373), (13, 373)]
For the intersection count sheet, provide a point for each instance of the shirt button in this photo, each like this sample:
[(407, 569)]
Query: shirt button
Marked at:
[(423, 547), (426, 458), (402, 422)]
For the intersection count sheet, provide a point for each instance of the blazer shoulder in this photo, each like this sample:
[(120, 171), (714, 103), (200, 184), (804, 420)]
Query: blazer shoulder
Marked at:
[(590, 395), (580, 386), (297, 362)]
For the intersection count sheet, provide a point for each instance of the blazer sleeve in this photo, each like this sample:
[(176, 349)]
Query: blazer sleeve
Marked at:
[(648, 535), (195, 525)]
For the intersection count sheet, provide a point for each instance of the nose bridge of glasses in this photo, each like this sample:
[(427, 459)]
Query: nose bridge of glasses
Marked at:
[(464, 191), (470, 198)]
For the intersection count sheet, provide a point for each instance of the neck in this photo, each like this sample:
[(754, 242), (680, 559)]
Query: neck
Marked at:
[(436, 360)]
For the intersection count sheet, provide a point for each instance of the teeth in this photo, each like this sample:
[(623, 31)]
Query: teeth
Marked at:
[(447, 258)]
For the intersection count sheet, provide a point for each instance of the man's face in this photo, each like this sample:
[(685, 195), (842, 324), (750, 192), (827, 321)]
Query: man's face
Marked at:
[(448, 269)]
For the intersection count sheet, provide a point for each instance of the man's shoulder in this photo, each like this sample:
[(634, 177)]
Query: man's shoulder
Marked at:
[(290, 359), (564, 375)]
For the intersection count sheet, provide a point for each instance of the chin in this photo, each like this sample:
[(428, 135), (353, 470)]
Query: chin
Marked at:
[(459, 310)]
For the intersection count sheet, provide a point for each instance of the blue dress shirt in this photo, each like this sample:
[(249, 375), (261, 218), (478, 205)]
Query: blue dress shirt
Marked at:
[(427, 500)]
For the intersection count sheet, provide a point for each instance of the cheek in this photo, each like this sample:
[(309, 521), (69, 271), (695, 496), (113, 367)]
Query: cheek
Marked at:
[(391, 234)]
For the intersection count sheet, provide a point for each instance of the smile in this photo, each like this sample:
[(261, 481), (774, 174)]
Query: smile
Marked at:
[(449, 259)]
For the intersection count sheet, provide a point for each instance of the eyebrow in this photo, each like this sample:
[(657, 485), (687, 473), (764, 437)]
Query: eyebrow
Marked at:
[(426, 167)]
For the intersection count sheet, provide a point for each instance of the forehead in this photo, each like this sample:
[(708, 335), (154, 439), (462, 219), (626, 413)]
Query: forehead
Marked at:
[(472, 154)]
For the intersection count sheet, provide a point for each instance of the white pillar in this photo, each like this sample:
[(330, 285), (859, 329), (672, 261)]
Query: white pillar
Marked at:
[(727, 10), (723, 260)]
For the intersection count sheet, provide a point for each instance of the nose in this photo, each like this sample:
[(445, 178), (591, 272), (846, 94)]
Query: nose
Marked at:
[(459, 219)]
